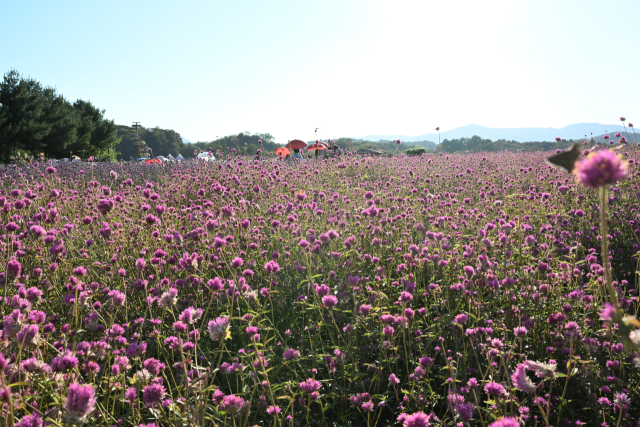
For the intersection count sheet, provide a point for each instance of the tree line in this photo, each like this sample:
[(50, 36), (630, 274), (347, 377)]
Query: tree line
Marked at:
[(476, 144), (37, 121)]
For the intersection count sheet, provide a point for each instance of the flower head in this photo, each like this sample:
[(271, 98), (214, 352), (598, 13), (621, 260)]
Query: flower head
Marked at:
[(310, 385), (153, 394), (505, 422), (521, 381), (79, 403), (218, 328), (542, 370), (418, 419), (495, 389), (601, 168)]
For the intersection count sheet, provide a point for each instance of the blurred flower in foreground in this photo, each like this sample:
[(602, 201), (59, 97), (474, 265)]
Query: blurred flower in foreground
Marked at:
[(601, 168), (79, 404), (418, 419), (521, 381), (505, 422)]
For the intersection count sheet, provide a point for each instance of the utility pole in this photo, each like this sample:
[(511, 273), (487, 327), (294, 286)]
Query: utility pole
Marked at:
[(141, 146)]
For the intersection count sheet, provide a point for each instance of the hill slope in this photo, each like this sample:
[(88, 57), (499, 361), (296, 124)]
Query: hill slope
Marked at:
[(574, 131)]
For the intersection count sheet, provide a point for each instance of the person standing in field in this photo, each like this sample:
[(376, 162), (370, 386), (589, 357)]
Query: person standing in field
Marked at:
[(297, 155)]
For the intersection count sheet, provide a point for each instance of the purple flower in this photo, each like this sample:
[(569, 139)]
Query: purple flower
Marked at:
[(232, 404), (136, 350), (622, 398), (131, 395), (64, 363), (601, 168), (405, 297), (520, 331), (505, 422), (271, 410), (329, 301), (154, 366), (79, 403), (218, 328), (153, 394), (461, 319), (304, 244), (190, 315), (494, 389), (393, 380), (30, 421), (418, 419), (13, 268), (310, 385), (140, 264), (542, 370), (291, 354), (237, 262), (608, 313), (521, 381), (465, 411)]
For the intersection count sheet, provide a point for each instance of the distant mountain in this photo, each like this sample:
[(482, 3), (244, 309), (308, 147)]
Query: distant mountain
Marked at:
[(612, 137), (185, 140), (574, 131)]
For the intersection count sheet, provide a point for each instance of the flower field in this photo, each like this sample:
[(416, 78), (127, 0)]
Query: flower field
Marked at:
[(442, 290)]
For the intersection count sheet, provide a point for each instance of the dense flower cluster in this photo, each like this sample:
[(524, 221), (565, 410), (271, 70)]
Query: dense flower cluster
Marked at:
[(442, 290)]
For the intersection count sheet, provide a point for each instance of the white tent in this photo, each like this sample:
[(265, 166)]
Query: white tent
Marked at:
[(179, 157), (169, 156), (206, 156)]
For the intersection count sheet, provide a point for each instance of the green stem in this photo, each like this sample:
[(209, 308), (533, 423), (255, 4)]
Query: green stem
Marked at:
[(605, 245)]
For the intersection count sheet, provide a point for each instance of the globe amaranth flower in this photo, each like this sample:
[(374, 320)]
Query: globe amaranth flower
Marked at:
[(521, 381), (601, 168), (218, 328), (30, 421), (79, 403), (505, 422), (495, 389), (13, 268), (232, 404), (418, 419), (329, 301), (291, 354), (310, 385), (465, 411), (542, 370), (622, 398), (608, 313), (153, 394), (271, 410)]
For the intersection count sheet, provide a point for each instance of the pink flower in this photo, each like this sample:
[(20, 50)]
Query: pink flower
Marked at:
[(418, 419), (601, 168), (79, 403)]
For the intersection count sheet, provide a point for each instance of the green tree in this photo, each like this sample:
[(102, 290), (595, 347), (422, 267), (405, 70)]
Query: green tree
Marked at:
[(36, 119), (22, 115), (95, 134)]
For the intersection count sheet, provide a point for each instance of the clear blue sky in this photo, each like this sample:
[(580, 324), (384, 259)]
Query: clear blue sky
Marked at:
[(211, 68)]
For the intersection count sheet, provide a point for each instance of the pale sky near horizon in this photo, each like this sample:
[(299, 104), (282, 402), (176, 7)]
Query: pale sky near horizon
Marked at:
[(351, 67)]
